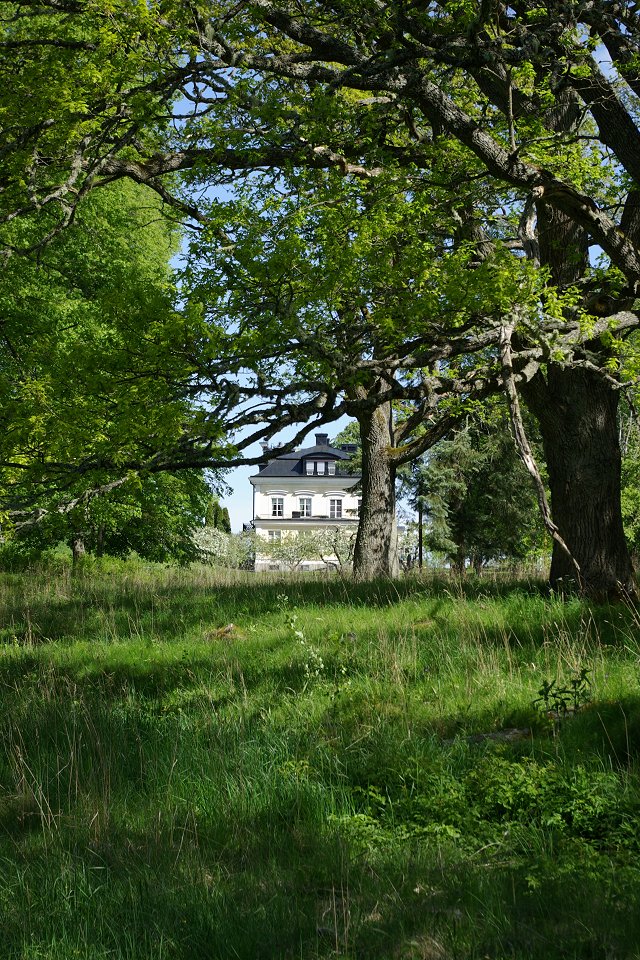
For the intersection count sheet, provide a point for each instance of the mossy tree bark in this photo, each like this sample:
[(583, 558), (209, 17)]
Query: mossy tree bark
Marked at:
[(576, 410), (78, 549), (376, 549)]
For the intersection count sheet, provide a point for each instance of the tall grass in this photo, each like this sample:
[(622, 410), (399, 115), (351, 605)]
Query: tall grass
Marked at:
[(195, 765)]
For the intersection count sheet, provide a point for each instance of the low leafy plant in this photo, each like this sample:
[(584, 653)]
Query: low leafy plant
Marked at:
[(561, 700)]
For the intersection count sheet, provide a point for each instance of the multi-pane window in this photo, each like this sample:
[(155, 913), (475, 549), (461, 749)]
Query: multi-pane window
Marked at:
[(320, 467), (335, 509), (274, 536), (305, 506), (277, 506)]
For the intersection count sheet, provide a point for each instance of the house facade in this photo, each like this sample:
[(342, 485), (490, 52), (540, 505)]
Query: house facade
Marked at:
[(310, 490)]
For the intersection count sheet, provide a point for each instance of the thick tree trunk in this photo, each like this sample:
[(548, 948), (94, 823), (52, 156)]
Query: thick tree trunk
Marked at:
[(376, 549), (576, 410)]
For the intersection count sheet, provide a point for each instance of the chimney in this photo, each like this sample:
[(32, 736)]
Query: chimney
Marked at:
[(322, 439), (265, 453)]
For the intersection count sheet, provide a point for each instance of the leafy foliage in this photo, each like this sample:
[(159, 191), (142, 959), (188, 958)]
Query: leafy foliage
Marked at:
[(331, 547), (154, 517), (235, 551), (217, 516), (90, 371), (479, 500), (559, 698), (384, 176)]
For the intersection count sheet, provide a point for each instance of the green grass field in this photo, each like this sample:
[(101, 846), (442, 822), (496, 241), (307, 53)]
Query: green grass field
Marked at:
[(199, 767)]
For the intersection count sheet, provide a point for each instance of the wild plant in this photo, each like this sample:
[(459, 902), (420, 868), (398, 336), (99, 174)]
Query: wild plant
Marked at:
[(314, 664), (561, 700)]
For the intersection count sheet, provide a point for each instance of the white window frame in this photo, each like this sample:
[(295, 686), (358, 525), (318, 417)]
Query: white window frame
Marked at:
[(335, 508), (305, 507), (321, 466), (331, 466), (309, 470), (277, 506), (274, 536)]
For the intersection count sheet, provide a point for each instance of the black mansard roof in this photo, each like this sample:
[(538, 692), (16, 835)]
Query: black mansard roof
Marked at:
[(293, 464)]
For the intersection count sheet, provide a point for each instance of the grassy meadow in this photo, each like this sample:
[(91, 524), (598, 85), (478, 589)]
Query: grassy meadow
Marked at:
[(199, 765)]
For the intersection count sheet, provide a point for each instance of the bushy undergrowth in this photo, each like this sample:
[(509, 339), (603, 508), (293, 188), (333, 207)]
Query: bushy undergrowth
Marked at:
[(195, 765)]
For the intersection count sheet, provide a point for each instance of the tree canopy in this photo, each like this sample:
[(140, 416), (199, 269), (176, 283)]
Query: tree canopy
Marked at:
[(91, 382), (510, 131)]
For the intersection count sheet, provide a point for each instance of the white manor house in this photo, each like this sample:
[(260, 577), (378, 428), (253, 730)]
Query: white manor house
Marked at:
[(308, 490)]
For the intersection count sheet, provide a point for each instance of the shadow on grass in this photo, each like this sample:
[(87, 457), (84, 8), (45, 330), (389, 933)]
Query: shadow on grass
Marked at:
[(268, 875), (312, 898), (183, 801), (102, 610)]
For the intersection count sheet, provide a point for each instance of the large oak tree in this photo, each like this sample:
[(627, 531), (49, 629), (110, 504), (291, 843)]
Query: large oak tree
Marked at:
[(369, 298)]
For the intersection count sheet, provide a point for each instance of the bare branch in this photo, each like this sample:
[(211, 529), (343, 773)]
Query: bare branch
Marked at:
[(524, 447)]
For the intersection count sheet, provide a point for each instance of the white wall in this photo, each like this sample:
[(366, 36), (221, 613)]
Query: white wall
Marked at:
[(320, 492)]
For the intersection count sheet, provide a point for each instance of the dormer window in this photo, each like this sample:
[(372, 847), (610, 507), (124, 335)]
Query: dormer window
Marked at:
[(320, 468)]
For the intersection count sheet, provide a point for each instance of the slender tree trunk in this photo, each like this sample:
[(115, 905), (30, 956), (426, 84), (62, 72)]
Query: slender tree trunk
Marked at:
[(77, 547), (576, 410), (457, 561), (376, 549)]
